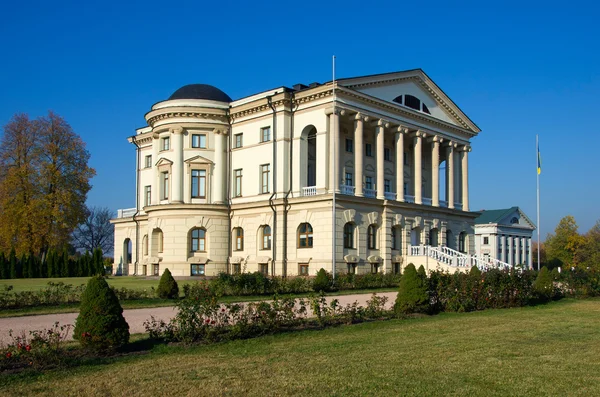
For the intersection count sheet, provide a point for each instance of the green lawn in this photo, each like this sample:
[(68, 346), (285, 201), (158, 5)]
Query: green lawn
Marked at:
[(550, 350), (131, 282)]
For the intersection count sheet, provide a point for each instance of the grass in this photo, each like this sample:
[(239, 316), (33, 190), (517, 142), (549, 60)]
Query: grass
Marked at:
[(131, 282), (545, 350)]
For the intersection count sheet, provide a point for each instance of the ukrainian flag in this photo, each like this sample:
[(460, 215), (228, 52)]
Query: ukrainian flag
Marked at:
[(539, 159)]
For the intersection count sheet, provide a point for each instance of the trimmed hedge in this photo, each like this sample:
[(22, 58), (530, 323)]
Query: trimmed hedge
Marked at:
[(167, 286)]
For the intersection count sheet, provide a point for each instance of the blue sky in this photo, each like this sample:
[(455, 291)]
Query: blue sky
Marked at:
[(516, 68)]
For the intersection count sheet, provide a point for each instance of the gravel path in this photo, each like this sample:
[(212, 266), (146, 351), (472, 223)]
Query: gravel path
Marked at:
[(134, 317)]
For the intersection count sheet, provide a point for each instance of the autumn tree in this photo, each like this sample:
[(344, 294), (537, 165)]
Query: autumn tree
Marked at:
[(562, 246), (95, 231), (44, 181)]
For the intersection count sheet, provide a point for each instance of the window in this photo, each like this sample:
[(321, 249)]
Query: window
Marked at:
[(303, 269), (198, 240), (374, 268), (265, 134), (238, 235), (145, 245), (145, 270), (387, 154), (349, 179), (263, 268), (405, 158), (160, 240), (237, 188), (368, 182), (199, 141), (396, 268), (486, 240), (148, 161), (305, 236), (164, 181), (147, 195), (348, 235), (198, 183), (351, 268), (372, 237), (368, 150), (236, 268), (264, 178), (425, 109), (155, 270), (387, 185), (349, 145), (198, 270), (266, 237), (165, 144), (238, 141), (412, 102), (405, 187), (394, 239), (514, 220)]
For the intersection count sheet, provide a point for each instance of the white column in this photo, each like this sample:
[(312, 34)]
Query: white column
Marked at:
[(334, 152), (219, 174), (435, 171), (155, 195), (503, 256), (518, 259), (400, 163), (359, 147), (418, 145), (450, 174), (465, 178), (530, 254), (510, 250), (177, 168), (380, 134)]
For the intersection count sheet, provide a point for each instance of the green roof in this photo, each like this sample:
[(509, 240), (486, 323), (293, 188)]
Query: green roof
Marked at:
[(494, 216)]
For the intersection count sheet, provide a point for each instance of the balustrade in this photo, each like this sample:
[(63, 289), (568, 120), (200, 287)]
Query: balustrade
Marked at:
[(346, 189), (309, 191), (370, 193)]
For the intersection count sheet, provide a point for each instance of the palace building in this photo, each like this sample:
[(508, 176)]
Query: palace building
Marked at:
[(255, 184)]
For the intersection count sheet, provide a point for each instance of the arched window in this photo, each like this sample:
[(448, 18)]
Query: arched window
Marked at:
[(266, 237), (238, 235), (198, 240), (305, 235), (514, 220), (372, 237), (348, 235), (159, 237), (412, 102), (462, 239), (145, 245)]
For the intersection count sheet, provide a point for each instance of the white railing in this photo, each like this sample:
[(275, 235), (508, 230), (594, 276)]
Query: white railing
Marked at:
[(426, 201), (390, 196), (417, 250), (443, 203), (345, 189), (453, 258), (309, 191), (370, 193), (409, 199), (485, 263), (438, 255), (458, 206), (126, 213), (450, 251)]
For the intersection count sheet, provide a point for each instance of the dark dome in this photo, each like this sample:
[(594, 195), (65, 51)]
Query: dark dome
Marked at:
[(200, 91)]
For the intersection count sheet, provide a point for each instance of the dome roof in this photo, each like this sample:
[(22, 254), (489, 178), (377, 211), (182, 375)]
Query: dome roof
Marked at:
[(200, 91)]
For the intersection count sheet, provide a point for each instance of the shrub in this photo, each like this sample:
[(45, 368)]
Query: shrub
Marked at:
[(543, 285), (412, 293), (321, 281), (167, 287), (100, 324)]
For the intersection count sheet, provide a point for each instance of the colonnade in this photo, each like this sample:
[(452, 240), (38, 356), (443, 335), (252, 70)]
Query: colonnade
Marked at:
[(515, 250)]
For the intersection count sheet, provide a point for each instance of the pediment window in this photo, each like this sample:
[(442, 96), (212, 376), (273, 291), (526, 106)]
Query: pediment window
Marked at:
[(412, 102)]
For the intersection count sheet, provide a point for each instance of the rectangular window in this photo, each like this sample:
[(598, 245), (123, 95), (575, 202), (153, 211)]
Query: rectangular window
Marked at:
[(199, 141), (238, 140), (155, 270), (197, 270), (387, 186), (368, 150), (165, 185), (303, 269), (265, 134), (263, 268), (236, 268), (368, 182), (349, 145), (374, 268), (405, 187), (198, 183), (387, 156), (264, 178), (405, 158), (351, 268), (396, 268), (148, 161), (237, 187), (165, 144), (486, 240), (147, 195), (349, 181)]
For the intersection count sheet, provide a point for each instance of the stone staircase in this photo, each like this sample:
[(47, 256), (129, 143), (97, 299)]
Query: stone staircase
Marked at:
[(455, 259)]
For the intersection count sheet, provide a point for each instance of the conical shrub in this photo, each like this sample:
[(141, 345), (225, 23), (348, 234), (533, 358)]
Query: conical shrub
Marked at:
[(413, 296), (100, 324), (167, 287), (321, 281), (543, 285)]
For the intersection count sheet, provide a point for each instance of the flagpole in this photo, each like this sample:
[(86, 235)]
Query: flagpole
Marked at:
[(333, 223), (538, 169)]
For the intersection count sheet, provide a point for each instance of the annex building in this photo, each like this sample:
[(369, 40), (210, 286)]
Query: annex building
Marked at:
[(250, 184)]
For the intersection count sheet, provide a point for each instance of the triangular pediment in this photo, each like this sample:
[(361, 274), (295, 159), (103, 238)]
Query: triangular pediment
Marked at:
[(516, 215), (163, 161), (198, 160), (389, 86)]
